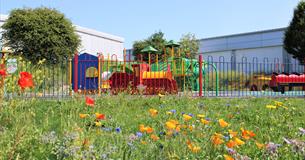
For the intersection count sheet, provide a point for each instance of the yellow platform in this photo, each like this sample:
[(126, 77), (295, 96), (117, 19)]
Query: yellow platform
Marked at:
[(154, 75)]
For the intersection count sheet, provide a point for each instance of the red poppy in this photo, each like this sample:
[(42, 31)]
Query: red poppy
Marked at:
[(89, 101), (25, 80), (3, 72)]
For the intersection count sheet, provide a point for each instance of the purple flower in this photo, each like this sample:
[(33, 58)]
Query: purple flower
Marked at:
[(190, 114), (227, 137), (208, 119), (118, 129), (139, 134), (231, 151), (182, 113), (173, 111)]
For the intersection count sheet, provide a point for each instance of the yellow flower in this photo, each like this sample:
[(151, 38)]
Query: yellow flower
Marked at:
[(227, 157), (232, 133), (259, 145), (187, 117), (196, 149), (153, 112), (278, 104), (271, 106), (223, 123), (170, 125), (83, 116), (169, 113), (98, 123), (238, 141), (203, 121), (160, 95), (200, 116)]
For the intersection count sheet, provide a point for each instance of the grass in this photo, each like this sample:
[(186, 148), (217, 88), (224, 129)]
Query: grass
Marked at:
[(42, 129)]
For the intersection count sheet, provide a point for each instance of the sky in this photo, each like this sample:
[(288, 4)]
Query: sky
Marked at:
[(138, 19)]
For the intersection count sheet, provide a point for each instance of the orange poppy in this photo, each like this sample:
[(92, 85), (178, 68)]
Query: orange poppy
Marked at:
[(227, 157), (149, 130), (154, 137), (100, 116), (223, 123), (153, 112), (83, 116), (217, 139), (25, 80), (89, 101), (231, 144), (246, 134)]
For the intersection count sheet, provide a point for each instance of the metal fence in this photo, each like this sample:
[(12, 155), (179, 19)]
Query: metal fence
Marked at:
[(179, 76)]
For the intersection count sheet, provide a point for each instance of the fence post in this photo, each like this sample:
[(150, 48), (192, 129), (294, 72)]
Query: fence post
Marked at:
[(70, 76), (99, 75), (200, 75), (75, 72)]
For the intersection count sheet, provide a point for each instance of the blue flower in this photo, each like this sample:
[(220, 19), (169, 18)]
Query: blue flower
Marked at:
[(139, 134), (190, 114), (106, 129), (118, 129), (173, 111)]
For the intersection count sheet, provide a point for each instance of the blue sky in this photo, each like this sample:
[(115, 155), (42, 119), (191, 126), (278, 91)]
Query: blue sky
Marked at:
[(137, 19)]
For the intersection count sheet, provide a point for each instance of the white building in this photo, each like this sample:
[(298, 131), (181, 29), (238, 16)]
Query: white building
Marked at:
[(265, 45), (93, 41), (262, 47)]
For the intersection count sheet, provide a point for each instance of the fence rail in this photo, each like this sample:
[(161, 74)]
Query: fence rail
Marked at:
[(178, 76)]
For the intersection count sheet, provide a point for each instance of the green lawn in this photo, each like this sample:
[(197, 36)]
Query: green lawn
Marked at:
[(42, 129)]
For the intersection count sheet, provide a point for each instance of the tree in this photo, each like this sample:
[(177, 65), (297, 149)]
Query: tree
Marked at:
[(156, 40), (189, 45), (40, 33), (294, 41)]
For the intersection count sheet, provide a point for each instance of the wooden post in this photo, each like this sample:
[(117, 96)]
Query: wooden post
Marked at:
[(200, 75)]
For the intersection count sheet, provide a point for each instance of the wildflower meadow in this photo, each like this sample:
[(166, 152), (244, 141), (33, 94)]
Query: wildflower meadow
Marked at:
[(156, 127)]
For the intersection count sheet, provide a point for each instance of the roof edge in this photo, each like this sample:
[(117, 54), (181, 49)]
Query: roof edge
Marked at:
[(244, 34)]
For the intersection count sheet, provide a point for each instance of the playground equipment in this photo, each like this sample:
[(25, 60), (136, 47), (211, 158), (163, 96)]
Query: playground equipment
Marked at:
[(168, 75), (278, 81)]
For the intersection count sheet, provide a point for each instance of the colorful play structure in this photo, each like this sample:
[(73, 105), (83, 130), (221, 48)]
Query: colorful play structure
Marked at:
[(278, 81), (170, 74)]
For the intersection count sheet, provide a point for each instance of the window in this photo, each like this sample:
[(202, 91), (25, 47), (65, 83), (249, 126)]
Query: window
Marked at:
[(91, 72)]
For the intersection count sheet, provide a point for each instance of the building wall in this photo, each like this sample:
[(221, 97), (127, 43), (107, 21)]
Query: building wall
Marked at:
[(263, 45), (93, 41)]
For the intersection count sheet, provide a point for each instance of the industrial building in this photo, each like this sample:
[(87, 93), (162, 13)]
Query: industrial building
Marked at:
[(266, 46), (93, 41)]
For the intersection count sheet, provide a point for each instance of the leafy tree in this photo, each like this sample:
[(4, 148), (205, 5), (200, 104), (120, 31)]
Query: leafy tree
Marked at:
[(40, 33), (189, 45), (156, 40), (294, 41)]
